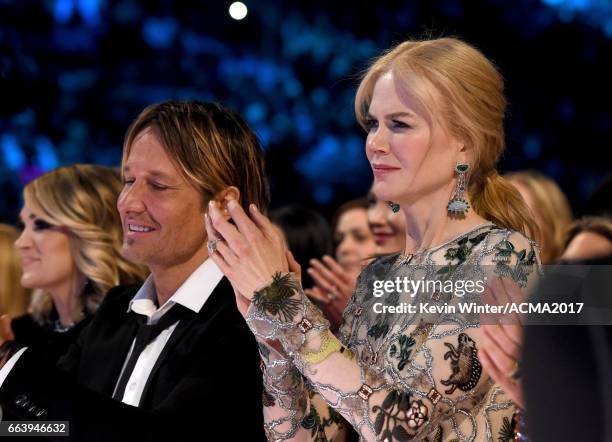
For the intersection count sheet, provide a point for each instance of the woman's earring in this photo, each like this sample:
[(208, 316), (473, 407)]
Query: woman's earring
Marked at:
[(393, 206), (458, 206)]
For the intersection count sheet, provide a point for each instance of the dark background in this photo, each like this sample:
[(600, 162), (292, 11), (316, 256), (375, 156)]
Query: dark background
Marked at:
[(74, 73)]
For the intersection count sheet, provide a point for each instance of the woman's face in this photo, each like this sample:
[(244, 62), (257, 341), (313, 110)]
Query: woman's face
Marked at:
[(355, 242), (46, 255), (411, 158), (388, 228)]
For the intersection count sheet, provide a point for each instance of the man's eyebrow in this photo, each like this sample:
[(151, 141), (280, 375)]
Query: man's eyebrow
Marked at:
[(152, 173)]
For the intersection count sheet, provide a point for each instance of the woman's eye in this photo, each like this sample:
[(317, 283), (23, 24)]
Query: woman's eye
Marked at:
[(400, 125), (39, 225), (370, 124), (20, 225), (127, 182), (360, 237)]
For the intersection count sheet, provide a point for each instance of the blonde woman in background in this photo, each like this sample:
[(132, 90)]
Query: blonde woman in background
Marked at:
[(70, 249), (549, 207), (14, 299)]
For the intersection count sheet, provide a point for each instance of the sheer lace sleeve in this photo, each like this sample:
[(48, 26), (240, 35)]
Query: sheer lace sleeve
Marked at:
[(397, 374)]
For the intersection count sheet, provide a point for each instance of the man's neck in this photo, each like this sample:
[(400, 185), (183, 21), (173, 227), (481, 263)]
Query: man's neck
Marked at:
[(168, 279)]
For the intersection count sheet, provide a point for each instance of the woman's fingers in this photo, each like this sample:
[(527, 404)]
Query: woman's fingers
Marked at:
[(245, 226), (497, 335), (294, 266), (224, 228), (262, 221), (504, 362), (319, 280), (510, 386), (317, 293), (337, 269), (333, 281)]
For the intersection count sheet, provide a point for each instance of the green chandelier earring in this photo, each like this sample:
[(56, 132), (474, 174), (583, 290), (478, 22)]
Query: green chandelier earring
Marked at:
[(458, 206), (393, 206)]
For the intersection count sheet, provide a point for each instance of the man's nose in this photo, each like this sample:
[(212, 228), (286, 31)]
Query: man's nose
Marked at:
[(131, 198)]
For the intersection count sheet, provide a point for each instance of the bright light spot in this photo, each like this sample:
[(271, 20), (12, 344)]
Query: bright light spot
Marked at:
[(238, 10)]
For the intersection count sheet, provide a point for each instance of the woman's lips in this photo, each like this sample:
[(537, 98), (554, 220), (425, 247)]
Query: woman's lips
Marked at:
[(382, 169), (25, 262), (381, 238)]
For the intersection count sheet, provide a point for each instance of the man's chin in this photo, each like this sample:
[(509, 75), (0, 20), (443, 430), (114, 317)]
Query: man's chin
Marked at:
[(133, 254)]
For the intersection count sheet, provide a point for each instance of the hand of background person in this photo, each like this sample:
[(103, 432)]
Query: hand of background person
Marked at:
[(501, 339), (332, 279), (333, 287)]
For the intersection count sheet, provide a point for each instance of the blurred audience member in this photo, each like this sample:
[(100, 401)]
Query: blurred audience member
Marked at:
[(550, 209), (307, 234), (587, 238), (70, 249), (335, 278), (388, 227), (14, 299)]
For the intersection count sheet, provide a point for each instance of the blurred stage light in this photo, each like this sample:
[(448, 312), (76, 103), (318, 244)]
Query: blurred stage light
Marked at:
[(238, 10)]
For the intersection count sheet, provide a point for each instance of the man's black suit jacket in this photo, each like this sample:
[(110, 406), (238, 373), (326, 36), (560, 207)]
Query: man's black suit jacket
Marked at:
[(206, 384)]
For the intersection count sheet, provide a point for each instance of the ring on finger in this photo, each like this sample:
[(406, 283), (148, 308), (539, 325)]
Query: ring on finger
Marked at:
[(515, 373), (212, 245), (332, 296)]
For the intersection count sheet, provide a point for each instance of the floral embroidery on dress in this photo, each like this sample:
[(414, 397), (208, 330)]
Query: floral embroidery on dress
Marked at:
[(399, 396)]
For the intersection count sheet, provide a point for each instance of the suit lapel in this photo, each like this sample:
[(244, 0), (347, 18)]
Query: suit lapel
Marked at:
[(187, 333), (113, 343)]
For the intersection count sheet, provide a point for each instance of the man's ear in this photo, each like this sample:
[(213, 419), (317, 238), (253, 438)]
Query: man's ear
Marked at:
[(225, 196)]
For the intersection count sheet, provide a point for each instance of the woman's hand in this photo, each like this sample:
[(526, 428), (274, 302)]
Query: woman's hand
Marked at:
[(332, 279), (502, 339), (250, 252), (333, 288)]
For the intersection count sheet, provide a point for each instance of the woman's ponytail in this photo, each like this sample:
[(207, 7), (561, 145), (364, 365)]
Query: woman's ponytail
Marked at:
[(495, 199)]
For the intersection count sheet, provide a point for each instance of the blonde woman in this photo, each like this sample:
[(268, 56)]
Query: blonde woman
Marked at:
[(70, 250), (14, 299), (550, 209), (433, 111)]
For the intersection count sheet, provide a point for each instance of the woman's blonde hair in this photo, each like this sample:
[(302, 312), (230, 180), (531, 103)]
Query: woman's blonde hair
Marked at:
[(552, 209), (467, 99), (14, 299), (83, 199)]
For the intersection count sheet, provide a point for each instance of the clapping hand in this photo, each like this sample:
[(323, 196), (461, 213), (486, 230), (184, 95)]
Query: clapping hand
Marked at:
[(502, 338), (249, 252)]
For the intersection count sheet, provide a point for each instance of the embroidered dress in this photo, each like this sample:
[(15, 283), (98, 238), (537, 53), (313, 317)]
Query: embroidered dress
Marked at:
[(395, 375)]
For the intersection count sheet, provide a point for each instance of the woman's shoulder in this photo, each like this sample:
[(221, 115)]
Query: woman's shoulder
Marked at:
[(510, 245), (512, 254), (378, 267)]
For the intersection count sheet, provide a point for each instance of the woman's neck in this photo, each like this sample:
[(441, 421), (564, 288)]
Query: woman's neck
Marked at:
[(428, 224), (68, 301)]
